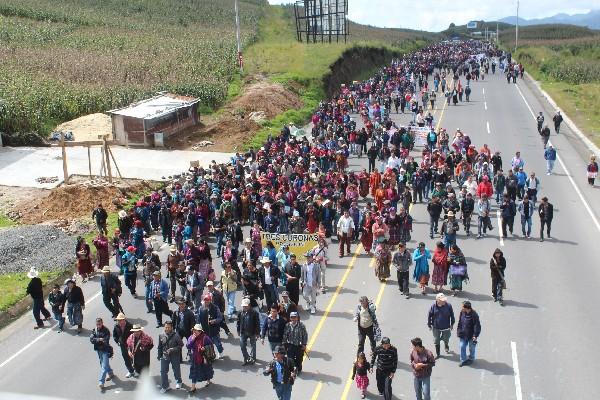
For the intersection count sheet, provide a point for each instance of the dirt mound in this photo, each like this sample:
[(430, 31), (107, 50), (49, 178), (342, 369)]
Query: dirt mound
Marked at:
[(231, 127), (271, 98), (88, 127), (66, 203)]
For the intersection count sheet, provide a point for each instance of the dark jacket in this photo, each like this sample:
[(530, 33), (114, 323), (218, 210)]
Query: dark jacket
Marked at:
[(75, 295), (434, 209), (100, 215), (275, 273), (546, 213), (508, 210), (387, 359), (468, 325), (288, 368), (57, 302), (107, 284), (497, 268), (120, 335), (100, 338), (440, 317), (273, 329), (34, 288), (183, 324), (248, 323), (209, 313), (218, 300), (169, 346)]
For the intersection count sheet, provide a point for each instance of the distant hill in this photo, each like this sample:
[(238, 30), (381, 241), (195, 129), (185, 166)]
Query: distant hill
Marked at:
[(590, 20)]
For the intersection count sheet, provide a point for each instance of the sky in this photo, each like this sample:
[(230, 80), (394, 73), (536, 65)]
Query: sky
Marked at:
[(436, 15)]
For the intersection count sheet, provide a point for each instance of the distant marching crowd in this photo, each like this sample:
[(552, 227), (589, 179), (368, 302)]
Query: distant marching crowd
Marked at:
[(297, 185)]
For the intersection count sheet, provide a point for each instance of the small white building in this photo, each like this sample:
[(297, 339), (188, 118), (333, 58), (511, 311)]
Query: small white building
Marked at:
[(148, 122)]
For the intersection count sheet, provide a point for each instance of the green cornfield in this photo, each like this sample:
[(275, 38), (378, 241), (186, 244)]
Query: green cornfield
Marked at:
[(61, 59)]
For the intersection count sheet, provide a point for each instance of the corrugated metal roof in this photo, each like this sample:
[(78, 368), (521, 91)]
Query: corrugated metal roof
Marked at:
[(155, 107)]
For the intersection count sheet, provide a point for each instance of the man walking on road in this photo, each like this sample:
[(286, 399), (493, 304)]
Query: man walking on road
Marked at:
[(401, 259), (121, 333), (159, 294), (283, 373), (295, 338), (248, 328), (367, 322), (550, 157), (169, 353), (545, 135), (546, 213), (309, 281), (100, 338), (100, 216), (526, 209), (540, 121), (345, 229), (440, 321), (386, 356), (558, 119), (34, 289), (508, 210), (111, 290), (422, 363), (468, 330)]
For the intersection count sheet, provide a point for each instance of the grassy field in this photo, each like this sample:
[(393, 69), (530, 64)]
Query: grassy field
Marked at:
[(5, 221), (566, 60), (13, 286), (63, 59), (302, 67)]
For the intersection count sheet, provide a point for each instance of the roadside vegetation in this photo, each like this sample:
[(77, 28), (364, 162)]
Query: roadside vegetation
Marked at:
[(63, 59), (13, 286), (566, 60)]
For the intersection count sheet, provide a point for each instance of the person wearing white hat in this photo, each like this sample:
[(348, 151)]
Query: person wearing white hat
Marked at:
[(248, 328), (139, 345), (121, 333), (201, 369), (440, 321), (34, 289)]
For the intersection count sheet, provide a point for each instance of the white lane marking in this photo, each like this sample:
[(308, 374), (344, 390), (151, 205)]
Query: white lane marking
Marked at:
[(488, 126), (526, 103), (515, 361), (34, 341), (485, 104), (500, 232), (483, 90), (562, 164)]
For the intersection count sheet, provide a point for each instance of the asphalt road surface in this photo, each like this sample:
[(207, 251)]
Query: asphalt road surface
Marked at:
[(541, 345)]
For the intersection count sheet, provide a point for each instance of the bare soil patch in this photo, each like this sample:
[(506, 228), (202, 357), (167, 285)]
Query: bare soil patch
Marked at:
[(88, 127), (231, 127)]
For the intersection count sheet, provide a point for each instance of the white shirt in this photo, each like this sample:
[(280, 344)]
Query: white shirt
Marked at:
[(267, 276), (345, 224)]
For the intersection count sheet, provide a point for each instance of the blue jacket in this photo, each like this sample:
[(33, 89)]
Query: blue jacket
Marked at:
[(550, 154), (440, 317), (421, 263), (164, 289), (521, 178)]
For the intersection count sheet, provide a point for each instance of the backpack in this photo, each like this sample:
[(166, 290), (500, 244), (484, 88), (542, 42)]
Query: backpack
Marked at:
[(209, 353)]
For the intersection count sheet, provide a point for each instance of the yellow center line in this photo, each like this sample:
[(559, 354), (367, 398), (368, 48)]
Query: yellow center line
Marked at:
[(315, 334), (317, 391)]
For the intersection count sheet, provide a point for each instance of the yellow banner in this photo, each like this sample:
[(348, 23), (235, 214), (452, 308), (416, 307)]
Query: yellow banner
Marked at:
[(299, 243)]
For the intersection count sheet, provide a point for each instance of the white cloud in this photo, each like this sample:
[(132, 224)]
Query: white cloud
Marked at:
[(436, 15)]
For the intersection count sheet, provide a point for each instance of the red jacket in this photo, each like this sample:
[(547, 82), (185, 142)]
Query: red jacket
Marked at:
[(485, 186)]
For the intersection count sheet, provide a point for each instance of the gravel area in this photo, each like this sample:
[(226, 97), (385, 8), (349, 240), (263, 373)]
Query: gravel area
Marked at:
[(45, 247)]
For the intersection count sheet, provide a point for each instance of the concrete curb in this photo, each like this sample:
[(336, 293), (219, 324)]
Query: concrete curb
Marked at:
[(588, 143)]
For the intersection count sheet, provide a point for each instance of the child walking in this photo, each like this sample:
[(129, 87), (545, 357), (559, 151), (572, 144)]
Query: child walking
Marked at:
[(57, 301), (359, 373)]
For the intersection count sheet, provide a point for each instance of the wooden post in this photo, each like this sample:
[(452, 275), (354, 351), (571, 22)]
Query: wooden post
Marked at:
[(115, 161), (89, 161), (64, 157), (108, 170)]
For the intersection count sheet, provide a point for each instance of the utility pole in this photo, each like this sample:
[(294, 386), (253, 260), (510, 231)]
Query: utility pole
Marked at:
[(517, 28), (64, 158), (237, 35), (497, 37)]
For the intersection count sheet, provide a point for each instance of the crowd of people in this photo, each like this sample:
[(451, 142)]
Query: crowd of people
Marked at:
[(304, 185)]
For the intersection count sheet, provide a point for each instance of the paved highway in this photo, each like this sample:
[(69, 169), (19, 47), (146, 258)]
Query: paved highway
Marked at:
[(541, 345)]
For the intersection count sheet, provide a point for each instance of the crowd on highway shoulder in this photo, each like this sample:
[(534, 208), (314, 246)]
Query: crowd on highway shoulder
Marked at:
[(297, 185)]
